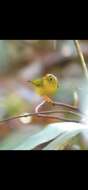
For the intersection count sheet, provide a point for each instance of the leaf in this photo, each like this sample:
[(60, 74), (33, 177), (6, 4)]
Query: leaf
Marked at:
[(44, 136), (69, 131), (17, 137), (13, 141), (58, 132), (64, 130)]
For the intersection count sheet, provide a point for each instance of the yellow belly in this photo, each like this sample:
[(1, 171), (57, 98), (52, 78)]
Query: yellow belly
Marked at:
[(45, 91)]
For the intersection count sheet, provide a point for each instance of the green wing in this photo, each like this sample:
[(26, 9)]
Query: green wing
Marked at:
[(38, 82)]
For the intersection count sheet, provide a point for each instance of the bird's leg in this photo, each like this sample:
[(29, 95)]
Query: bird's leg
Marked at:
[(47, 99)]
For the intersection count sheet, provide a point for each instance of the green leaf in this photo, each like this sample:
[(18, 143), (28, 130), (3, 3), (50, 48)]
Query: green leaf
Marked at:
[(68, 130), (43, 136), (13, 140), (58, 132), (65, 131)]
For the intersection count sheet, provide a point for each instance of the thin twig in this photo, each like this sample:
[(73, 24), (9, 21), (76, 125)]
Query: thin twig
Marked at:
[(55, 44), (76, 42), (37, 113), (65, 105), (57, 104), (76, 98), (43, 114), (39, 106)]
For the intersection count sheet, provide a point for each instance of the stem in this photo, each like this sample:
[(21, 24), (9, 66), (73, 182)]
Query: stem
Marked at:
[(65, 105), (76, 42), (43, 114), (54, 44), (39, 106), (37, 113)]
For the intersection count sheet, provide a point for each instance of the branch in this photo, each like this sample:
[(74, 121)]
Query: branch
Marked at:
[(76, 42), (65, 105), (57, 104), (43, 114), (37, 113), (53, 44)]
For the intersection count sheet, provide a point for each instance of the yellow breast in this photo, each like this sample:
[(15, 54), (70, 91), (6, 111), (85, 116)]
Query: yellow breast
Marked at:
[(46, 90)]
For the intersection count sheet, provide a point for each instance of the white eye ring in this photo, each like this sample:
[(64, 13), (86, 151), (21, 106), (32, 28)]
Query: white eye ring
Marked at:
[(52, 76)]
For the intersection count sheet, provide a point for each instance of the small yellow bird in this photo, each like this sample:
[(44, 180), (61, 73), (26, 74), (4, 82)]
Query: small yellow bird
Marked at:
[(46, 86)]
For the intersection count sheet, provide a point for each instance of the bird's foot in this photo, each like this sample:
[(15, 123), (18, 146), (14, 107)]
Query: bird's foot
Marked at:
[(49, 100)]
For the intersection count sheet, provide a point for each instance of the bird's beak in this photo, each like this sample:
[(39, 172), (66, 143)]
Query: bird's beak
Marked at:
[(31, 82)]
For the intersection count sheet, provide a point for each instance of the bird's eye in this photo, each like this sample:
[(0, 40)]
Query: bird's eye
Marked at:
[(50, 78)]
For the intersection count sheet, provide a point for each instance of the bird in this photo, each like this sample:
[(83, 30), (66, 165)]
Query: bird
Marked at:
[(46, 86)]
